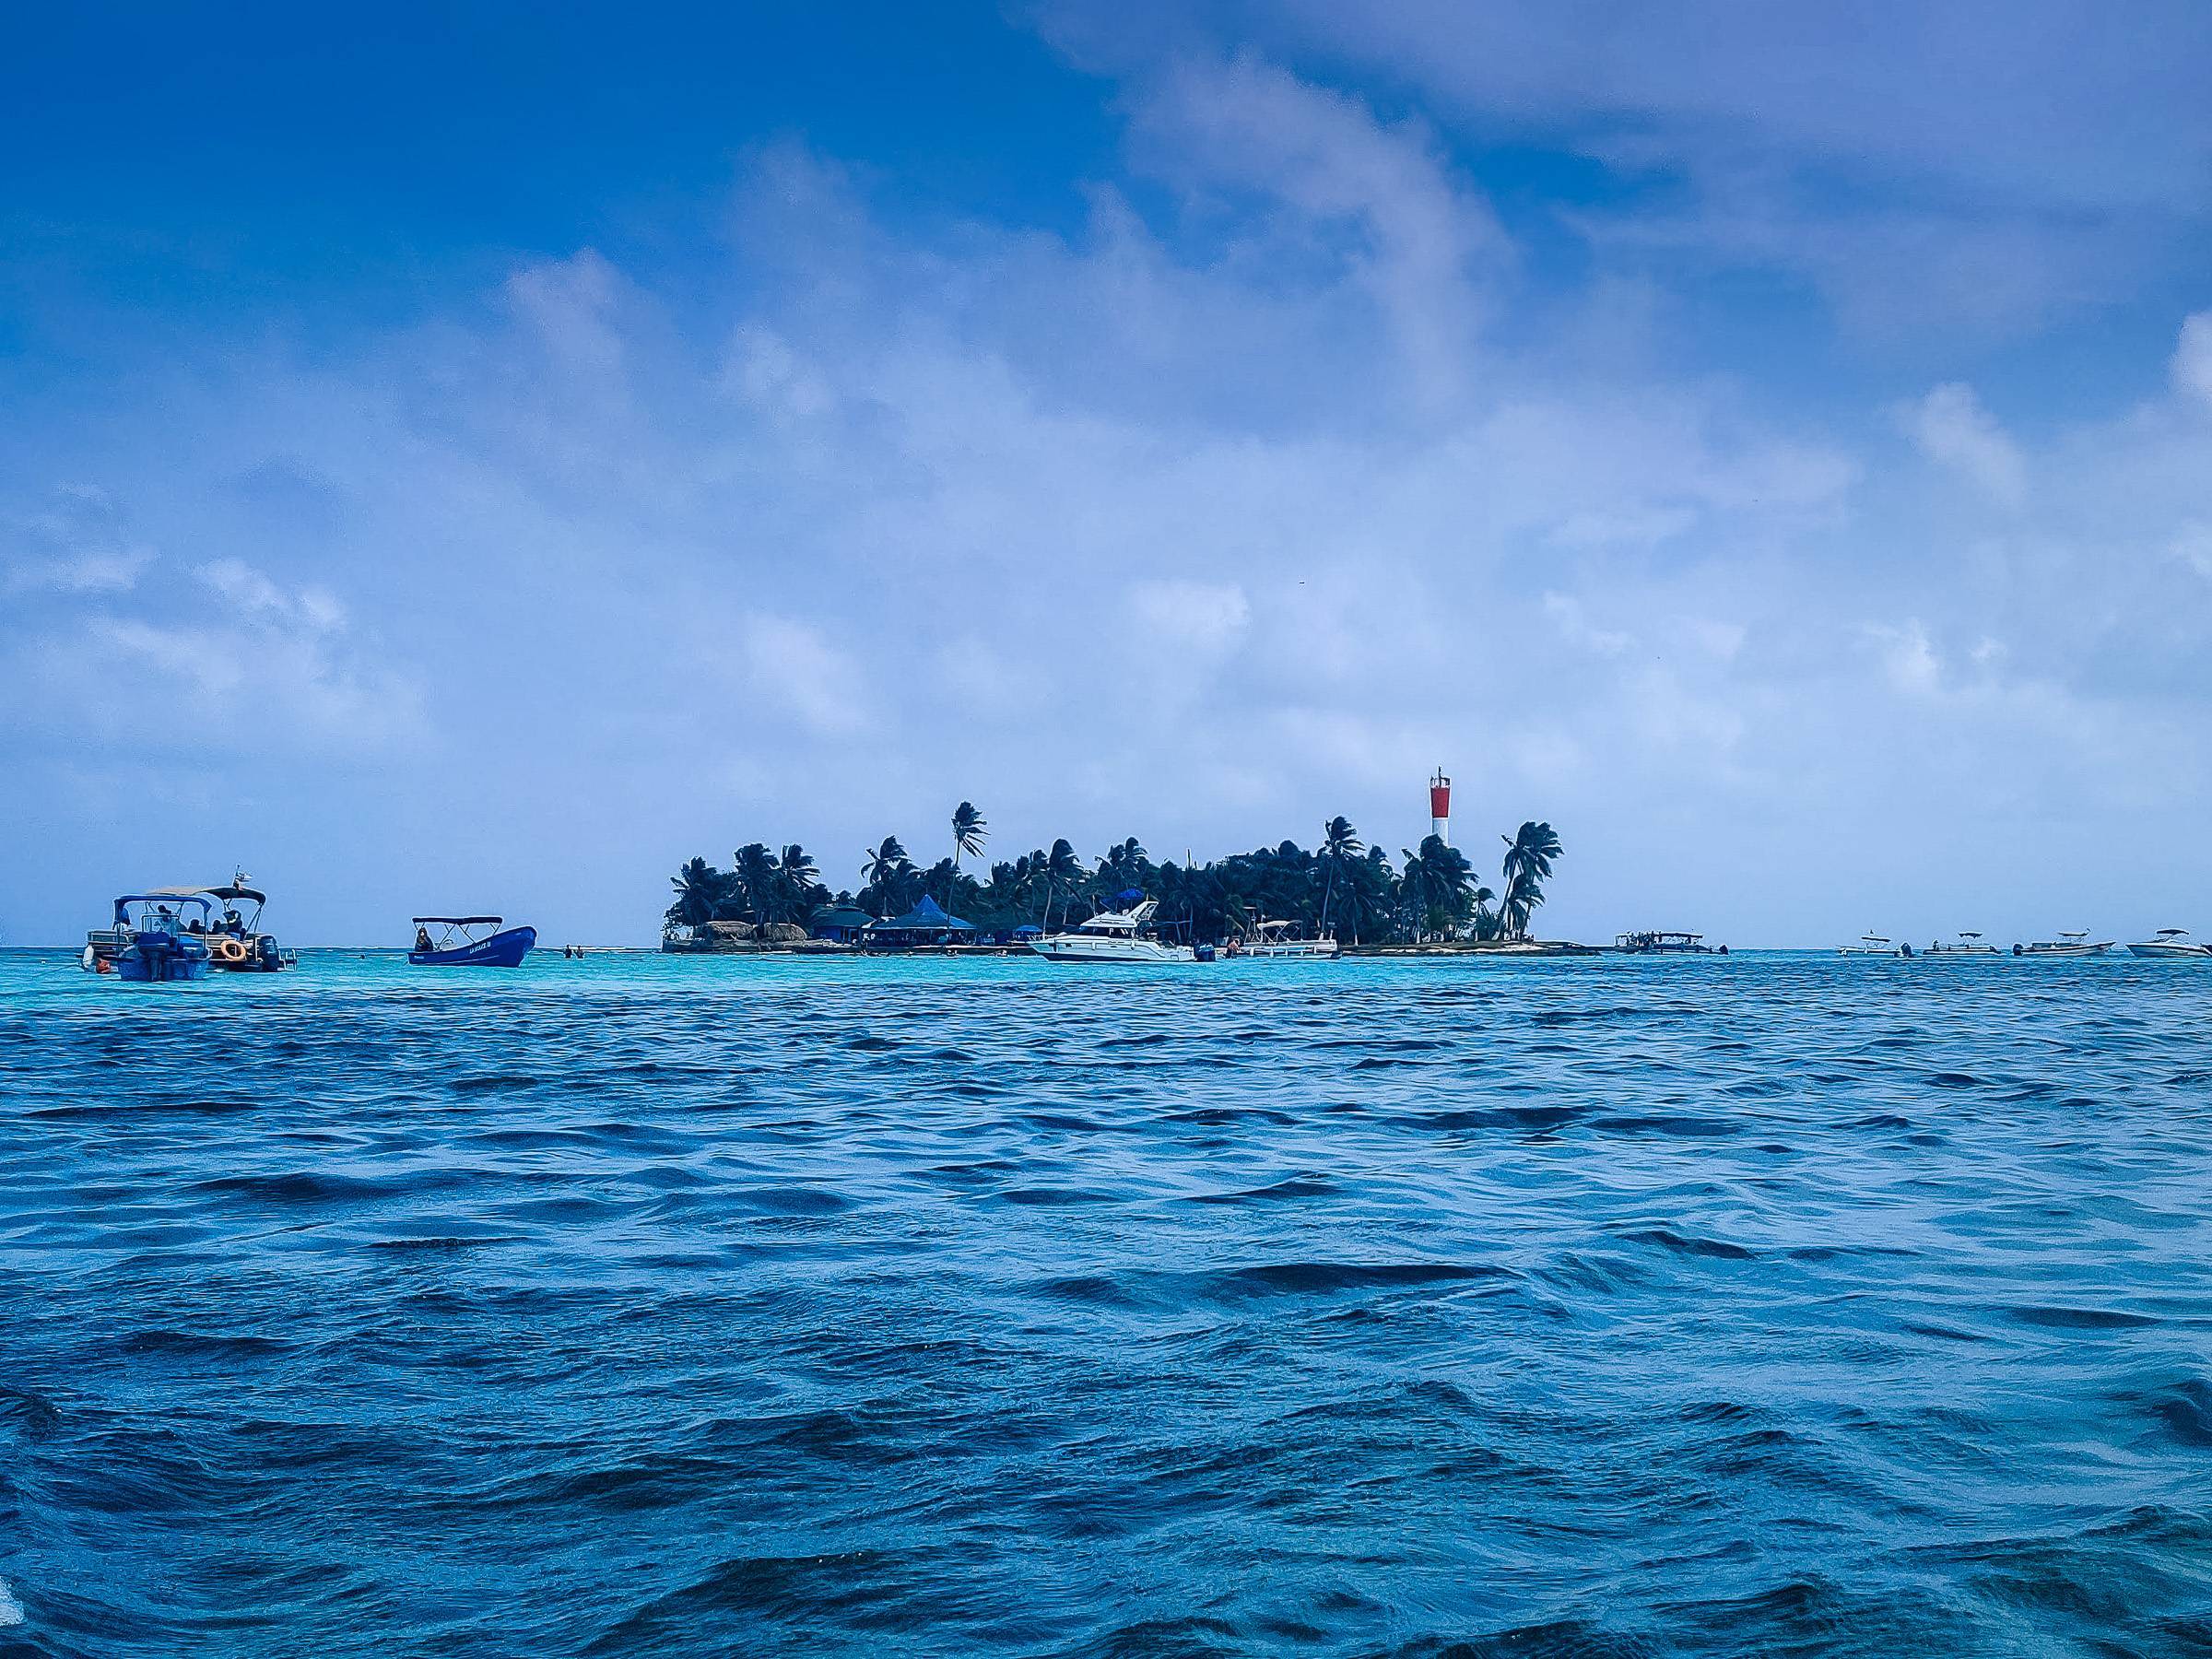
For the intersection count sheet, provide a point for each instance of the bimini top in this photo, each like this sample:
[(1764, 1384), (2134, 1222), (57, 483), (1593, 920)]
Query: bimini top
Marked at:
[(163, 896), (459, 921), (229, 892)]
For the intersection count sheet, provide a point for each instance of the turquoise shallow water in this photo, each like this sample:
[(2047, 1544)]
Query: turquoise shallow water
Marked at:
[(641, 1305)]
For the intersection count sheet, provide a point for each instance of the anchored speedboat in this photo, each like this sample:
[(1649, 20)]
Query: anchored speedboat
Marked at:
[(235, 941), (152, 939), (2171, 942), (2068, 944), (1279, 941), (469, 942), (1873, 945), (1112, 937), (1970, 945)]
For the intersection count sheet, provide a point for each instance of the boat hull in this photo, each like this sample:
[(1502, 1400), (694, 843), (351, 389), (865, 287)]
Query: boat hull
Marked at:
[(1129, 952), (503, 949), (2158, 951), (156, 964), (2033, 953)]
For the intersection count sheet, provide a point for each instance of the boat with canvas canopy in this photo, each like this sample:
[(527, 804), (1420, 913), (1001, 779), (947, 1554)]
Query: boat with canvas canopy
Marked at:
[(152, 938), (469, 942), (2069, 944), (235, 940)]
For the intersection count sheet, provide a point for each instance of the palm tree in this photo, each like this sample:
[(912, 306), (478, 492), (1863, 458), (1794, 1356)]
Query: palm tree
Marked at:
[(884, 863), (754, 877), (970, 832), (1062, 869), (699, 890), (797, 883), (1339, 842), (1528, 859)]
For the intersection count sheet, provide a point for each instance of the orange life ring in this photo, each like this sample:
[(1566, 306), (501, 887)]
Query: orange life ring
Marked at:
[(228, 949)]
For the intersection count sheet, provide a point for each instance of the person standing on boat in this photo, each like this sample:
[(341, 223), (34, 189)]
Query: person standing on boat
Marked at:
[(422, 939)]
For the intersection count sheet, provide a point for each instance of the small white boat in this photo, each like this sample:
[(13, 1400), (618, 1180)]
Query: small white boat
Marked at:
[(1276, 941), (2073, 943), (1112, 937), (2171, 942), (1967, 945), (1871, 945)]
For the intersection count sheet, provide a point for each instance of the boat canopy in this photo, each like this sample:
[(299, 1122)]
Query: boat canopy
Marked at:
[(163, 896), (229, 892), (459, 921)]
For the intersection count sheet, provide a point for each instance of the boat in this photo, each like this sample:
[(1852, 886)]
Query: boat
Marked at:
[(2171, 942), (1279, 941), (1966, 945), (2074, 944), (1112, 937), (1655, 942), (469, 942), (156, 944), (1874, 945), (235, 942)]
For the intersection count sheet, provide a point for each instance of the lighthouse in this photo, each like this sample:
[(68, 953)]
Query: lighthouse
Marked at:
[(1439, 807)]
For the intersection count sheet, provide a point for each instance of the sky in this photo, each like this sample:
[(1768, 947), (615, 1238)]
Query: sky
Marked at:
[(477, 457)]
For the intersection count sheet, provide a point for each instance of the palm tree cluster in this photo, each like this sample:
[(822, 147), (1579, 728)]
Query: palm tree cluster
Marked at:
[(1343, 885)]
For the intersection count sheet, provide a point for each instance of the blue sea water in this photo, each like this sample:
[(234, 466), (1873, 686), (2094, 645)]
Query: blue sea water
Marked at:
[(675, 1306)]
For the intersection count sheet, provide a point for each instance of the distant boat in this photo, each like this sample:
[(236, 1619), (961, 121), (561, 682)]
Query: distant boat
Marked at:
[(236, 941), (1665, 944), (1966, 945), (1112, 937), (469, 942), (2171, 942), (2074, 944), (1873, 945), (157, 944), (1278, 941)]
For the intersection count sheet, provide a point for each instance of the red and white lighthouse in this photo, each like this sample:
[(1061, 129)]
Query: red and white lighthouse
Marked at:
[(1439, 807)]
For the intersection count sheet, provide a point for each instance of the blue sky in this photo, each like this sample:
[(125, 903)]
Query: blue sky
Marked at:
[(482, 457)]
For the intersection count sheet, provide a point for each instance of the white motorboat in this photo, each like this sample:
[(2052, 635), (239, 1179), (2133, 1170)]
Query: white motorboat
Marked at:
[(1112, 937), (1971, 944), (1276, 941), (2073, 943), (1871, 945), (2171, 942)]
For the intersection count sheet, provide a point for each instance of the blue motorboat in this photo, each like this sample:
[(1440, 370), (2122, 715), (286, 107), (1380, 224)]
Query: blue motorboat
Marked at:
[(469, 942), (159, 942)]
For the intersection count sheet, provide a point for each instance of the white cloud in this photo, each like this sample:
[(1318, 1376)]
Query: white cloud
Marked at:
[(2192, 356), (793, 666), (1201, 615), (1950, 427)]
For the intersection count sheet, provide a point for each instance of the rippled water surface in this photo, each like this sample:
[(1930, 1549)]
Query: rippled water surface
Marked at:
[(640, 1305)]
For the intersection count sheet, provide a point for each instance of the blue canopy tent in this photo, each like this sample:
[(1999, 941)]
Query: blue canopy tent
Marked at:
[(928, 923)]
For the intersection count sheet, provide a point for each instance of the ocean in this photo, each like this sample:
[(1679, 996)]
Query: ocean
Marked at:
[(640, 1305)]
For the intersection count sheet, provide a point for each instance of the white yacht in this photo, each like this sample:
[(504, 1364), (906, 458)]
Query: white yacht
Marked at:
[(2171, 942), (1868, 945), (1111, 936), (2074, 944), (1276, 941), (1966, 945)]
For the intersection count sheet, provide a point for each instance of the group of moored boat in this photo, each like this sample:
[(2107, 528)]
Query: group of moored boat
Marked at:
[(173, 932), (2172, 943)]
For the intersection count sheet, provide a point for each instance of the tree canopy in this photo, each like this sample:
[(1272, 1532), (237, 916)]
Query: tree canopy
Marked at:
[(1343, 885)]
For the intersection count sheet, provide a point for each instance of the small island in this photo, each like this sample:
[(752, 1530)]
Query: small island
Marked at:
[(1431, 900)]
